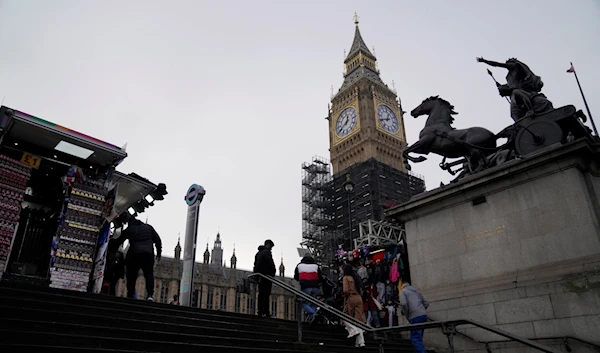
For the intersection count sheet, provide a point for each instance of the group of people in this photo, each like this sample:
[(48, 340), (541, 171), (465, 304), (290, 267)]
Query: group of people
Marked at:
[(363, 293)]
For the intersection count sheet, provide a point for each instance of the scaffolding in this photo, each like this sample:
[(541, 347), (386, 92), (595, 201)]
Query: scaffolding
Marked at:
[(316, 207), (379, 233)]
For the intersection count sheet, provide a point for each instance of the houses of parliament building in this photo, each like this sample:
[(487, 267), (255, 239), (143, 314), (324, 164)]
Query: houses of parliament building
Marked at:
[(216, 286)]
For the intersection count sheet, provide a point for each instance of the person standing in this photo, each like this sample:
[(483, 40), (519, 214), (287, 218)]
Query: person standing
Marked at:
[(175, 300), (310, 277), (414, 307), (142, 239), (353, 304), (264, 264), (116, 270)]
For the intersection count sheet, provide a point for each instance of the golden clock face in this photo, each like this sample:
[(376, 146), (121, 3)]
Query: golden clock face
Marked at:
[(346, 121)]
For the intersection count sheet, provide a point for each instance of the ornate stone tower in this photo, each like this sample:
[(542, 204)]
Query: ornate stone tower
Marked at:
[(365, 117), (233, 259), (217, 252), (206, 255), (281, 268), (178, 250), (367, 137)]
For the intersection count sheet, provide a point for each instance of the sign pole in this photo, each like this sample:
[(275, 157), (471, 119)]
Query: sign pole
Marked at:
[(193, 199)]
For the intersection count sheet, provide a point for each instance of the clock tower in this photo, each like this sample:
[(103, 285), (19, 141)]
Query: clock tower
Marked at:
[(365, 116), (367, 137)]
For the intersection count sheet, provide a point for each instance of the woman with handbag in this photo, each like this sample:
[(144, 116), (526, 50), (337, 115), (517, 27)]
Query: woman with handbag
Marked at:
[(353, 304)]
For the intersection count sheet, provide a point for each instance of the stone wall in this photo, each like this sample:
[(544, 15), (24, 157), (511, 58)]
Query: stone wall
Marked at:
[(524, 257)]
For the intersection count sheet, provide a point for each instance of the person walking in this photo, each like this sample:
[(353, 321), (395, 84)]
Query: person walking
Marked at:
[(142, 240), (308, 273), (371, 308), (264, 264), (414, 307), (353, 304)]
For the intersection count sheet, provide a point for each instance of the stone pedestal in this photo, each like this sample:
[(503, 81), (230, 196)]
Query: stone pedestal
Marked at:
[(516, 246)]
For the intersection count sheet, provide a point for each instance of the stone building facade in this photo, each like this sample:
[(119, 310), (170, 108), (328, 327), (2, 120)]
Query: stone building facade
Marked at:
[(216, 287)]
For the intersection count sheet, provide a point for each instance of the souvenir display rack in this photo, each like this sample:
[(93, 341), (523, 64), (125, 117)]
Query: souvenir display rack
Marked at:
[(75, 243), (14, 176)]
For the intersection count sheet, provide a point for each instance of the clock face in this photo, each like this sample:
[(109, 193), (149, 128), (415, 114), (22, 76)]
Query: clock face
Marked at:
[(387, 118), (346, 122)]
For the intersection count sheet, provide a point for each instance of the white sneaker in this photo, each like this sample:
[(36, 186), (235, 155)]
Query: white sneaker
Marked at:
[(150, 299)]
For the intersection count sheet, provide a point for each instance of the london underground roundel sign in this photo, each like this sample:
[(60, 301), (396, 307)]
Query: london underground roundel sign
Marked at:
[(195, 193)]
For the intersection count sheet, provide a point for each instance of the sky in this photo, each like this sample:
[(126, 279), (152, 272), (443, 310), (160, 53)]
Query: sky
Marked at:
[(232, 95)]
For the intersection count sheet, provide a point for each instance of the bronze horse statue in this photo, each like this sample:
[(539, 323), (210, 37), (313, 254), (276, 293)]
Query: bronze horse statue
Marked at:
[(438, 136)]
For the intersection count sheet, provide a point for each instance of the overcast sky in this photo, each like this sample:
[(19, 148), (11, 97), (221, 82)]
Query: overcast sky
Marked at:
[(232, 95)]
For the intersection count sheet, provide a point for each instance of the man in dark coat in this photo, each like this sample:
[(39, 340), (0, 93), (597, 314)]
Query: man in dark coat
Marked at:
[(142, 239), (264, 264)]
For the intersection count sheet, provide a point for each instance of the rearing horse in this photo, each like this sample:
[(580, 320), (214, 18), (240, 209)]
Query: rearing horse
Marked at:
[(438, 136)]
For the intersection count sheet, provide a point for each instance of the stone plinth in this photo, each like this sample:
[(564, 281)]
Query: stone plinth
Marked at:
[(516, 246)]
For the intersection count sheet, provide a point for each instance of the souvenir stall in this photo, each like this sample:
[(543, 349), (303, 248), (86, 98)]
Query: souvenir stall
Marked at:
[(380, 259), (13, 180), (57, 199)]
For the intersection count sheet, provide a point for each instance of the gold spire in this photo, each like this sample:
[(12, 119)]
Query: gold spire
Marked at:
[(355, 18)]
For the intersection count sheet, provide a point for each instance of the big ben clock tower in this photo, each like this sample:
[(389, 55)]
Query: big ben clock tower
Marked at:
[(365, 118), (367, 136)]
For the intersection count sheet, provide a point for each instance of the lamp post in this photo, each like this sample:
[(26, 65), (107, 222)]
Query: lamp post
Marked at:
[(349, 189)]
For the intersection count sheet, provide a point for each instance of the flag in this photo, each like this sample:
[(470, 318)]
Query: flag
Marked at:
[(571, 69)]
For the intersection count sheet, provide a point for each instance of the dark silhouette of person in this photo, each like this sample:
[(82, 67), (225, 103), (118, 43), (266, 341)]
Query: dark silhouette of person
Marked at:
[(142, 239), (264, 264)]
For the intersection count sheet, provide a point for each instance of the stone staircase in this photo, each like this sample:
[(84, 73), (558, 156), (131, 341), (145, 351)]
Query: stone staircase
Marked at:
[(36, 319)]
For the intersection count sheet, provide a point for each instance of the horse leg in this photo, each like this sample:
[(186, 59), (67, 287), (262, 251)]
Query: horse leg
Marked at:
[(416, 147)]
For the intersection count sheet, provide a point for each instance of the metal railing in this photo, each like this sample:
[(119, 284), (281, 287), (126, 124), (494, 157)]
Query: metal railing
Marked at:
[(564, 339), (448, 327)]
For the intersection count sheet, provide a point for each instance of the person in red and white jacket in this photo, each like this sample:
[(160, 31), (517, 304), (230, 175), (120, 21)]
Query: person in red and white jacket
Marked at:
[(308, 273)]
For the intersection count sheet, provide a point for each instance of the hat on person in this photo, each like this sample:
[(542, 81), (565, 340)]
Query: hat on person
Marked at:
[(269, 242)]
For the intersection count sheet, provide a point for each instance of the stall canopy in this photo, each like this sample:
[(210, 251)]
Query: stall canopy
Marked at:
[(132, 188), (31, 129)]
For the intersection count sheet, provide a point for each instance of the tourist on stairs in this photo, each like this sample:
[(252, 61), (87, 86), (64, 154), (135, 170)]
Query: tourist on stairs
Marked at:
[(264, 264), (310, 277), (414, 307), (353, 304), (142, 239)]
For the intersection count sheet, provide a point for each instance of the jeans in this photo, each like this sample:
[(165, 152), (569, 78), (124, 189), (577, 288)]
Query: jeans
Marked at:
[(135, 262), (310, 309), (373, 315), (416, 336), (264, 293)]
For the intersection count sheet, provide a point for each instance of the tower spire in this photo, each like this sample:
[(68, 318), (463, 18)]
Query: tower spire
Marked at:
[(358, 44)]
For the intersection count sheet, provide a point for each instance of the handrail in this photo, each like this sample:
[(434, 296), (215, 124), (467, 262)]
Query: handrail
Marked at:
[(317, 302), (564, 338), (448, 327)]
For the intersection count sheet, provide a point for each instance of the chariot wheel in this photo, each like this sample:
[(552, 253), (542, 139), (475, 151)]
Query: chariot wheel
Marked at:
[(536, 136)]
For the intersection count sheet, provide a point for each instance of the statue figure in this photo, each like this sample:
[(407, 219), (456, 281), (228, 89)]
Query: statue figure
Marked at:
[(439, 136), (523, 87)]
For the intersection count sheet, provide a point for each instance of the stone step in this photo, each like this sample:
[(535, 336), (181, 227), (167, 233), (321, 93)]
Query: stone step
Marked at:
[(66, 321)]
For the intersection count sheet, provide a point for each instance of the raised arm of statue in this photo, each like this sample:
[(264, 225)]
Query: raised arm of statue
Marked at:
[(493, 63)]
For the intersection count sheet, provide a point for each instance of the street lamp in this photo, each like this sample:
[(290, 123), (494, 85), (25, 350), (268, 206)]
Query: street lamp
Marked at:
[(349, 188)]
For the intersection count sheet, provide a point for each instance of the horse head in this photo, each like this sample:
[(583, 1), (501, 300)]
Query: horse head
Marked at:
[(438, 109)]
